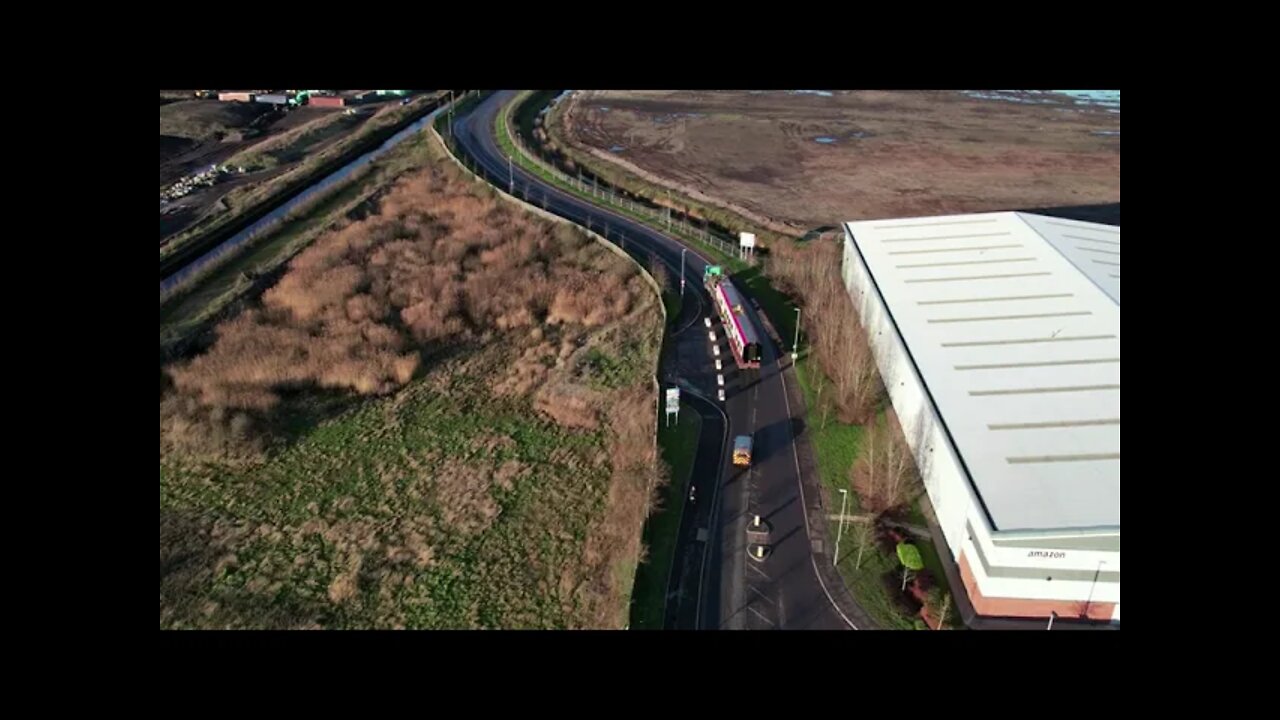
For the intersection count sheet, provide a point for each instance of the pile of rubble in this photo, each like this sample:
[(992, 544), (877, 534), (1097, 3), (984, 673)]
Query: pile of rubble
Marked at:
[(191, 183)]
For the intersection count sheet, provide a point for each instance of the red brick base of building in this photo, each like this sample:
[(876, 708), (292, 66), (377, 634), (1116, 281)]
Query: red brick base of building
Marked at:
[(1019, 607)]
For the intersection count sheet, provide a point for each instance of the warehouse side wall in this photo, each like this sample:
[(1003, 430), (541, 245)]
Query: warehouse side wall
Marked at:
[(940, 467), (1000, 581)]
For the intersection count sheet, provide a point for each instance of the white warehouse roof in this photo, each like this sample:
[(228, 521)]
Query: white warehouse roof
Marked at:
[(1013, 321)]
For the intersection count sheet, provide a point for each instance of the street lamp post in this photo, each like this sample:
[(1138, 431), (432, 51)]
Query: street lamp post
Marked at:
[(795, 344), (844, 495), (682, 252), (1052, 615)]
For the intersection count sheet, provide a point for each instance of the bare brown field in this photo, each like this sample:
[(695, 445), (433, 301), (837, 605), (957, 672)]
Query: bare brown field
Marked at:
[(433, 420), (890, 153)]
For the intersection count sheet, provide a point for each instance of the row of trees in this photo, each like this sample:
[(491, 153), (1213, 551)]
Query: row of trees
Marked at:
[(884, 476), (848, 381)]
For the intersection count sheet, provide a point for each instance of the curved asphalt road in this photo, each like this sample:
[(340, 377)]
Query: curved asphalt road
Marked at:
[(714, 584)]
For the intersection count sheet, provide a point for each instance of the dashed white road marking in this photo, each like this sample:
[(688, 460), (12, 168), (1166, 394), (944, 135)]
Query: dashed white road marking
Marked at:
[(757, 614), (720, 380), (719, 365), (721, 391), (708, 321), (715, 350), (712, 335)]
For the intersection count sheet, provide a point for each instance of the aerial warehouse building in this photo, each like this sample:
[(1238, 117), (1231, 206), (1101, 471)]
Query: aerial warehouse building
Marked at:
[(998, 339)]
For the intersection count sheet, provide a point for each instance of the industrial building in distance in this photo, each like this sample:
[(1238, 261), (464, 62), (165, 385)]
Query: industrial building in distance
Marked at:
[(998, 339), (314, 98)]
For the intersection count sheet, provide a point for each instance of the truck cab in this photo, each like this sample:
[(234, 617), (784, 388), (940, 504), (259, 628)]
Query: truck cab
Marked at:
[(742, 450)]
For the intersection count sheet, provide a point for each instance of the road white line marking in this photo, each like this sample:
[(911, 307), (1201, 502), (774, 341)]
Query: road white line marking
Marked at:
[(708, 321), (693, 319), (757, 613), (720, 380), (715, 350), (721, 394), (782, 376), (715, 513), (719, 365), (712, 335)]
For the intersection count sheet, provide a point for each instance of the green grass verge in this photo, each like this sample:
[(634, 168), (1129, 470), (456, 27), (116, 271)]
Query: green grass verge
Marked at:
[(679, 445), (378, 494), (674, 304), (837, 446)]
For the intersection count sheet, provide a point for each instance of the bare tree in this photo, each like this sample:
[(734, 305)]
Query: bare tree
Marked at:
[(901, 481), (864, 389), (846, 350), (865, 472), (885, 475), (864, 533), (825, 408), (838, 342)]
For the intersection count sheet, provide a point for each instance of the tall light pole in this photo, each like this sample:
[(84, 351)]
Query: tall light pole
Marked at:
[(1052, 615), (795, 344), (844, 495), (682, 252)]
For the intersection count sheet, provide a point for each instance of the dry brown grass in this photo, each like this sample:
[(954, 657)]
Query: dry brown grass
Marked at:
[(461, 491), (440, 264), (632, 496), (570, 405), (811, 272), (502, 489)]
